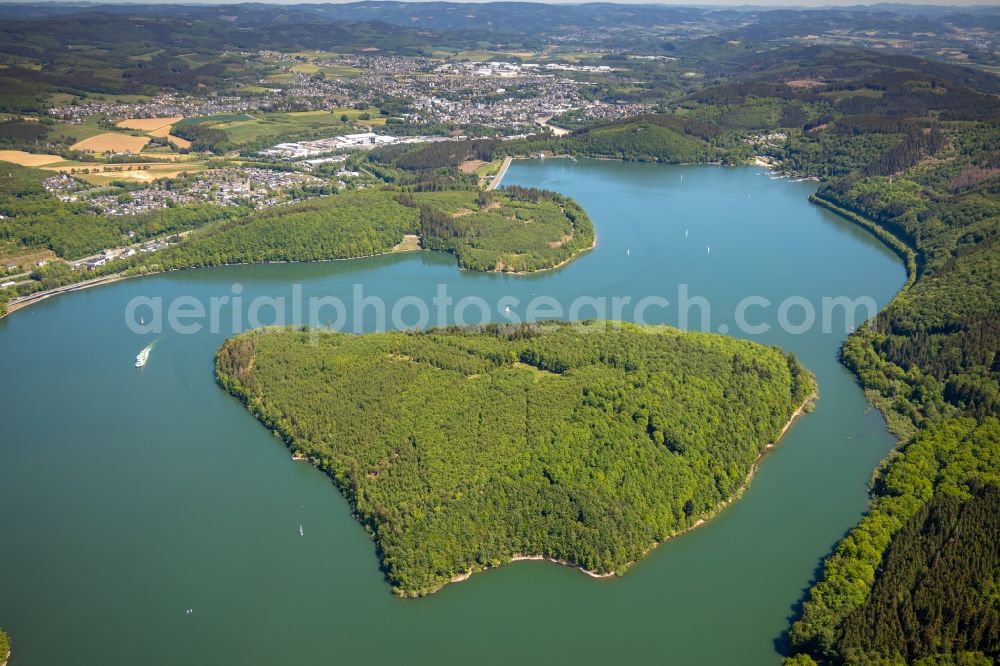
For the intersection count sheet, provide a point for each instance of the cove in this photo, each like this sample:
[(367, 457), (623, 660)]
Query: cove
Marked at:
[(128, 496)]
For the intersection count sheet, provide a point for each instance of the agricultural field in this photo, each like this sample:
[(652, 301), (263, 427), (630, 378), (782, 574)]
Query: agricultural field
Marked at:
[(149, 125), (146, 57), (103, 174), (111, 142), (315, 55), (28, 159), (212, 121), (65, 98), (157, 127), (179, 142)]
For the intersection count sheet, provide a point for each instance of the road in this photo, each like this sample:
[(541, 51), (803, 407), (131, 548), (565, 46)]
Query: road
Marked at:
[(500, 174)]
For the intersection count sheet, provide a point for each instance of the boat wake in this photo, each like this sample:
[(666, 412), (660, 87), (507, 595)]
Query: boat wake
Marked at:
[(143, 356)]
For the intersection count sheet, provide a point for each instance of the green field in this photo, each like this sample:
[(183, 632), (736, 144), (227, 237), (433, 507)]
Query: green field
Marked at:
[(243, 129), (85, 129), (330, 71), (214, 120)]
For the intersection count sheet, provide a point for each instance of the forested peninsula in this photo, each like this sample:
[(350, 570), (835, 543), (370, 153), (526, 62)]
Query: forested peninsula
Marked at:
[(464, 448)]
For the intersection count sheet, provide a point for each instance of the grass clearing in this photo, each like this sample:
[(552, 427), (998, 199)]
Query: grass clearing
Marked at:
[(78, 131), (340, 71), (471, 166), (410, 243), (213, 120), (28, 259)]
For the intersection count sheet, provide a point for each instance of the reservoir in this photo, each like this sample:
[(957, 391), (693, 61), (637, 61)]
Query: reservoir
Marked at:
[(130, 496)]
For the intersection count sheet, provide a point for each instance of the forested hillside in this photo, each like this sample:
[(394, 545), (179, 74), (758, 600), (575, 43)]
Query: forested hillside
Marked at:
[(911, 154), (350, 224), (936, 349), (930, 597), (874, 580), (509, 230), (461, 449), (666, 139)]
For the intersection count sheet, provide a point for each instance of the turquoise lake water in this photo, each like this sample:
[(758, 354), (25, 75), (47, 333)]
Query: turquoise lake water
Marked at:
[(129, 496)]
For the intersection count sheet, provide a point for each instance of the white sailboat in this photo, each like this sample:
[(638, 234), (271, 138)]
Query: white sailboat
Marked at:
[(709, 249), (628, 252), (301, 532), (686, 233)]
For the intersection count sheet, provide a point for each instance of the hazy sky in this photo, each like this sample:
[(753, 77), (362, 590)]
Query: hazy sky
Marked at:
[(700, 3)]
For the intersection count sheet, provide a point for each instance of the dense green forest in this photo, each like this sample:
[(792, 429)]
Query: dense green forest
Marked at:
[(4, 646), (460, 449), (349, 224), (936, 593), (662, 138), (934, 350)]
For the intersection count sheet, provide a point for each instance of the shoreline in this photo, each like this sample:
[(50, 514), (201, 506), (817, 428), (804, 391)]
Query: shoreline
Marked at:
[(520, 557), (399, 248), (31, 299), (38, 296), (559, 265), (540, 270)]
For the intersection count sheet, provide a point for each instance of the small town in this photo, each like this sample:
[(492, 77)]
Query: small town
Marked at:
[(255, 187), (504, 97)]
